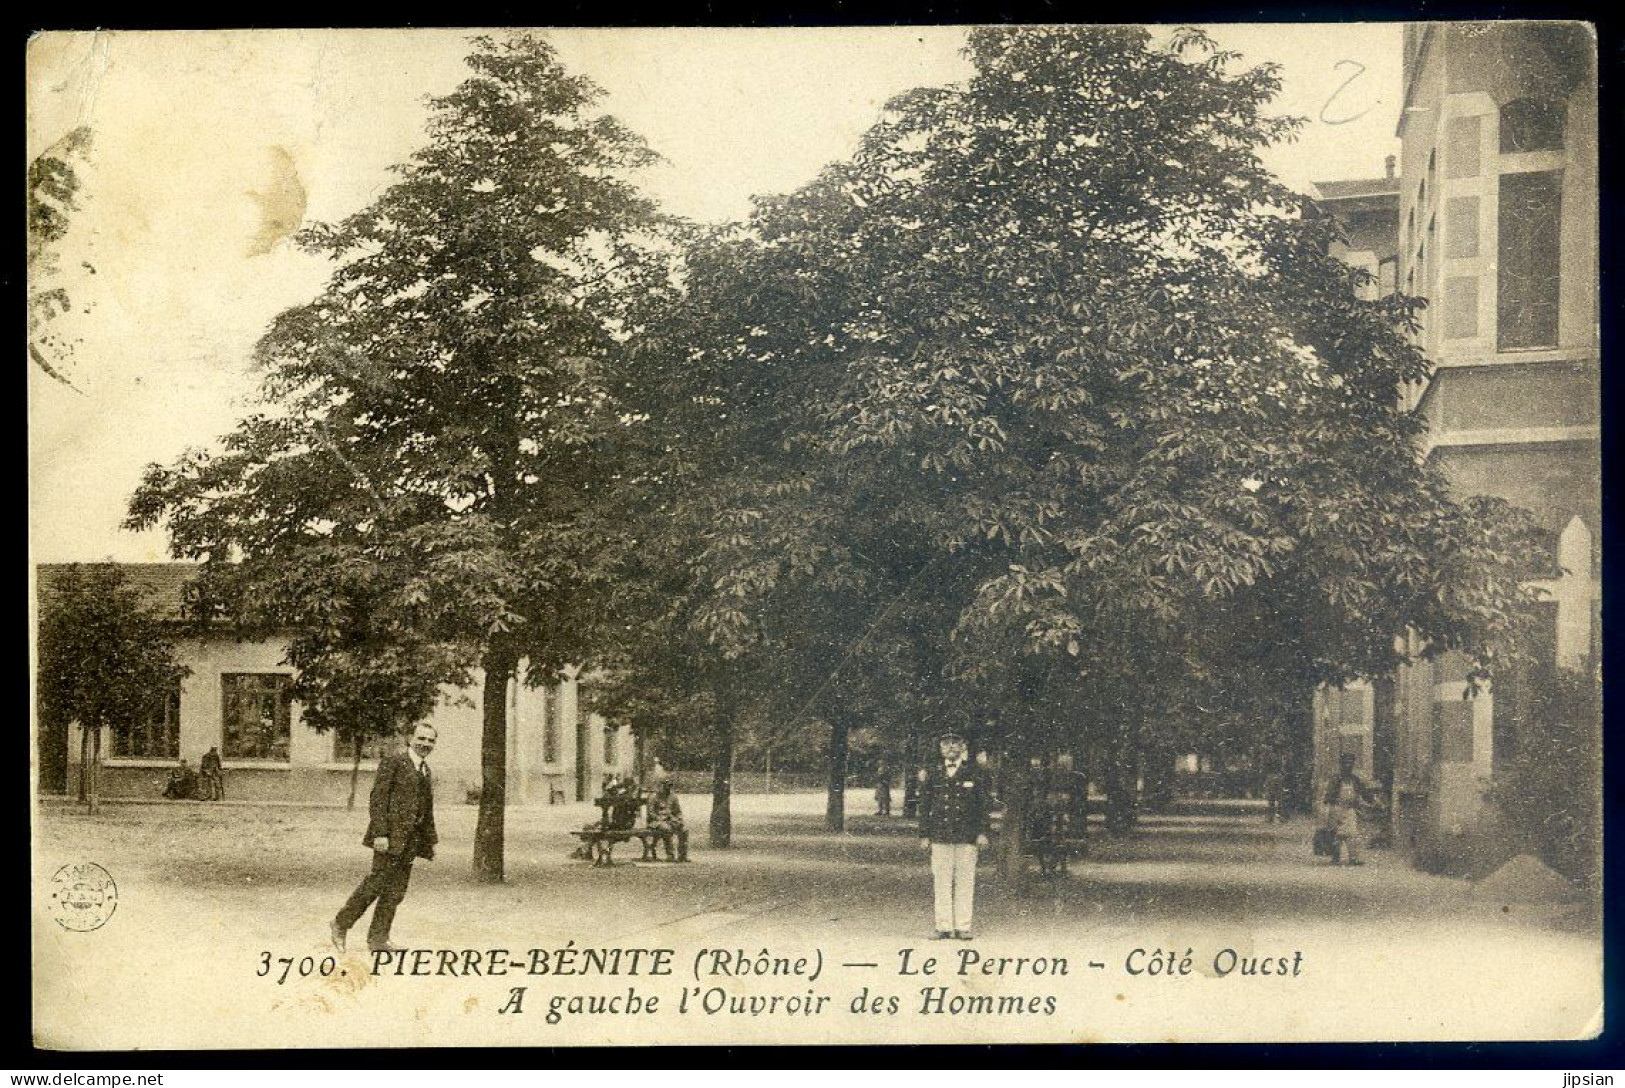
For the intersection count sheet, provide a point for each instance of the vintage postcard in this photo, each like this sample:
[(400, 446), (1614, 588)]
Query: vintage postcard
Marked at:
[(935, 534)]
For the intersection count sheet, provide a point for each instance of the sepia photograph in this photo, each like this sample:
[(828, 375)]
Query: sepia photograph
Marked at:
[(823, 535)]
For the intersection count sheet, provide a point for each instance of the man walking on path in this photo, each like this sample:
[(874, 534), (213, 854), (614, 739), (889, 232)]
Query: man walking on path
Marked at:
[(953, 825), (400, 829)]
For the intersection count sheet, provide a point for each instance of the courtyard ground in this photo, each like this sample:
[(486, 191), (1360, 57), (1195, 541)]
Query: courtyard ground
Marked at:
[(205, 892)]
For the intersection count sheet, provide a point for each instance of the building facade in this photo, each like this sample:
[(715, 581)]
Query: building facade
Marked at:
[(236, 698), (1495, 225)]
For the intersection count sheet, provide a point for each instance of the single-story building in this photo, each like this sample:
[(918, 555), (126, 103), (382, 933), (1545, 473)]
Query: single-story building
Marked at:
[(236, 698)]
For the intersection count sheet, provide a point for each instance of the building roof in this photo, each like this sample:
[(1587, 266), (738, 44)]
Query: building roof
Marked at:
[(161, 585), (1358, 189)]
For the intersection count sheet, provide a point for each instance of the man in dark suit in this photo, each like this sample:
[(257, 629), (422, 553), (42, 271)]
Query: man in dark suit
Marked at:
[(954, 802), (400, 829)]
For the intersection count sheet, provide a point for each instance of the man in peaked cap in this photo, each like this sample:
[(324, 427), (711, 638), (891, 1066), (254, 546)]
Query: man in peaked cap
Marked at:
[(954, 798)]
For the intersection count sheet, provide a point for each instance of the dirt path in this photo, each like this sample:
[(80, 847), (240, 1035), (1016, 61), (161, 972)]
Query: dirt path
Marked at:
[(205, 892)]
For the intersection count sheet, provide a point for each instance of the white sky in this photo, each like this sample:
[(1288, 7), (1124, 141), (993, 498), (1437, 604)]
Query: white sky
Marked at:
[(191, 127)]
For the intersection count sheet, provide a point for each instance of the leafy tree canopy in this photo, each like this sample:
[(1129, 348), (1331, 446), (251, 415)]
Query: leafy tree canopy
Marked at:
[(428, 486), (1058, 339)]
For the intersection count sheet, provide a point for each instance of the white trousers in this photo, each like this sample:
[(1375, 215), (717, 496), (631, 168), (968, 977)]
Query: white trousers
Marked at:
[(953, 877)]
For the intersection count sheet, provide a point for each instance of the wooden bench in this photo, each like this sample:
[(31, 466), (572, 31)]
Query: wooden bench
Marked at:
[(601, 842)]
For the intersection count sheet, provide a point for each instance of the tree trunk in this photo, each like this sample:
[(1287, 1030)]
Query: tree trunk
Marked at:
[(498, 664), (1299, 717), (722, 758), (84, 765), (835, 802), (94, 801), (355, 770), (911, 776), (1157, 762), (1085, 768), (1017, 793), (1121, 777)]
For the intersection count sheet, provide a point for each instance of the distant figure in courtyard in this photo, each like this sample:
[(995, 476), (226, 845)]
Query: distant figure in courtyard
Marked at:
[(1050, 831), (400, 829), (182, 783), (1274, 788), (954, 798), (665, 815), (882, 790), (214, 776), (1344, 798)]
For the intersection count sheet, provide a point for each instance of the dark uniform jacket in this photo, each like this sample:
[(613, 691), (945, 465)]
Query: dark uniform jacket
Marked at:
[(954, 810), (402, 807)]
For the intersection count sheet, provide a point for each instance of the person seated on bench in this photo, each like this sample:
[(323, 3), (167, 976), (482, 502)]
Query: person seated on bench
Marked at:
[(666, 817), (182, 784), (620, 802)]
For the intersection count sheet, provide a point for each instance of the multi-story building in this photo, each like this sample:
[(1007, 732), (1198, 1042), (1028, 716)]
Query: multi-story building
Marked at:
[(236, 698), (1495, 222), (1368, 210)]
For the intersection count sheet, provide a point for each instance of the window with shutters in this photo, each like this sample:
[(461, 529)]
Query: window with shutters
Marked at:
[(157, 735), (550, 726)]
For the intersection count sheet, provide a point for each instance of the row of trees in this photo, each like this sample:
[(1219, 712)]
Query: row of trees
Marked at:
[(1048, 406), (106, 657)]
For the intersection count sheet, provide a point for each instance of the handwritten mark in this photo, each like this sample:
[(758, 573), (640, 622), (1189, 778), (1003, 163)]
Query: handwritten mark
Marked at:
[(1359, 70)]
